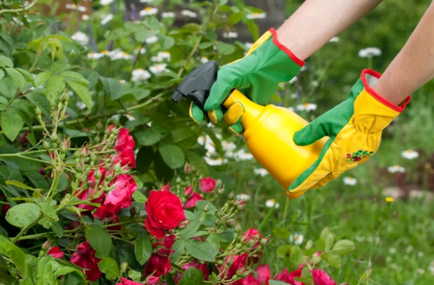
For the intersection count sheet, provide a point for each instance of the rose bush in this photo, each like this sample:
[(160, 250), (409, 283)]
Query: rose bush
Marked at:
[(83, 199)]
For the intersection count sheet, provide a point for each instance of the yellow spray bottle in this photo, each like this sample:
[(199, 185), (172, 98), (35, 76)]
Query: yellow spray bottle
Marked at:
[(268, 130)]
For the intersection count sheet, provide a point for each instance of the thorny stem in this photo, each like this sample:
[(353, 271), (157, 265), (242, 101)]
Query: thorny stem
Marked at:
[(26, 8)]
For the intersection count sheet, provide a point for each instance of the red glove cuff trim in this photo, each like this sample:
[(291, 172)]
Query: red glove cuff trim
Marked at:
[(285, 49), (377, 96)]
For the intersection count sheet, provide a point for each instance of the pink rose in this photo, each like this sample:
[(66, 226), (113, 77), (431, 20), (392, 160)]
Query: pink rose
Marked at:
[(164, 211), (236, 261), (252, 234), (90, 192), (84, 257), (117, 199), (262, 278), (207, 184), (188, 191), (320, 277), (55, 252), (152, 280), (192, 201)]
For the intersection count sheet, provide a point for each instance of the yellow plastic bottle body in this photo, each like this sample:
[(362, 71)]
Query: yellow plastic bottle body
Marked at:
[(269, 133)]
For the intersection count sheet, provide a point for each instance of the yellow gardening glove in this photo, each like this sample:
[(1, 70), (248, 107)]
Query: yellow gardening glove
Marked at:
[(354, 127)]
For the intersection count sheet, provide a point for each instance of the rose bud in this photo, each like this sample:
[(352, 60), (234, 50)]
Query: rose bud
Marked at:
[(188, 191), (187, 168)]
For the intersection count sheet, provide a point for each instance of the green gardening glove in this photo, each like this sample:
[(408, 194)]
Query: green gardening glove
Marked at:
[(257, 75)]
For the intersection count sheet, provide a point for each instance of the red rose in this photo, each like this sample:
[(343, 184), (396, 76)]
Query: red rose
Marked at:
[(207, 184), (192, 201), (164, 211), (125, 281), (252, 234), (84, 257), (321, 278), (236, 261), (164, 247), (157, 265), (165, 187), (125, 147), (263, 276), (289, 277), (5, 208), (55, 252), (119, 198), (202, 267), (90, 192)]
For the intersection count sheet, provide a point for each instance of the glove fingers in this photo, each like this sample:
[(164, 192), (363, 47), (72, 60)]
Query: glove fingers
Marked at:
[(216, 115), (220, 89), (196, 113), (234, 114), (314, 131), (237, 128)]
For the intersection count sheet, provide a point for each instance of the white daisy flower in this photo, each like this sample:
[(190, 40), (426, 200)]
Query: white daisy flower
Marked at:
[(146, 1), (261, 172), (85, 17), (164, 55), (243, 197), (118, 54), (148, 11), (350, 181), (409, 249), (248, 45), (420, 271), (151, 40), (105, 2), (140, 74), (107, 19), (80, 105), (256, 16), (121, 81), (420, 254), (293, 80), (230, 35), (214, 162), (296, 238), (94, 55), (139, 49), (81, 38), (370, 52), (168, 15), (392, 250), (75, 7), (105, 53), (290, 109), (306, 107), (189, 13), (334, 40), (204, 59), (409, 154), (243, 155), (271, 203), (396, 168), (228, 146), (158, 68)]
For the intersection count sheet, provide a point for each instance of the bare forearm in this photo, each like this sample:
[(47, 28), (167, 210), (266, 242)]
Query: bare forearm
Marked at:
[(317, 21), (413, 66)]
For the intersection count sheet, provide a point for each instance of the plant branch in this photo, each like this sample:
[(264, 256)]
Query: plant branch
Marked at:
[(24, 9)]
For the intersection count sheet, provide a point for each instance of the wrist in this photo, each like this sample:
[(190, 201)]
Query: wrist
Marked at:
[(285, 48)]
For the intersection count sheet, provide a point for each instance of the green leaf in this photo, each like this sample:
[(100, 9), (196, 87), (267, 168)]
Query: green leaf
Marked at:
[(142, 35), (2, 74), (274, 282), (327, 237), (109, 267), (281, 232), (165, 42), (344, 246), (332, 259), (178, 247), (21, 185), (5, 61), (201, 250), (15, 254), (16, 76), (112, 87), (23, 214), (46, 268), (191, 229), (283, 251), (48, 211), (192, 276), (296, 255), (214, 241), (82, 91), (8, 87), (143, 248), (253, 28), (222, 2), (74, 76), (139, 197), (100, 240), (37, 179), (205, 45), (147, 137), (40, 101), (54, 88), (198, 162), (180, 134), (41, 78), (57, 229), (172, 155), (225, 48)]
